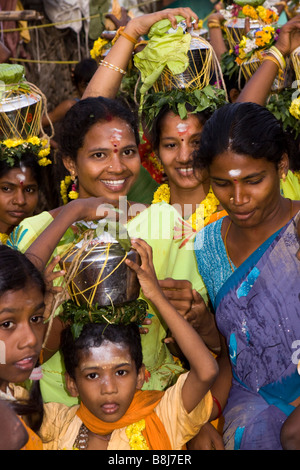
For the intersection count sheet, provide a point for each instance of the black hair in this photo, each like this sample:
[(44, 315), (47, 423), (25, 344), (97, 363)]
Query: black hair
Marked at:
[(84, 71), (16, 271), (155, 131), (28, 160), (87, 112), (244, 128), (93, 335)]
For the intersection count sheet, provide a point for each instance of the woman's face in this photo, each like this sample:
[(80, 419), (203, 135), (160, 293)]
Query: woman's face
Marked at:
[(22, 330), (247, 188), (108, 163), (18, 197), (178, 139)]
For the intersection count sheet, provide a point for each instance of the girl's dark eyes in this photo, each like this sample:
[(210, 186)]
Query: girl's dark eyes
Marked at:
[(6, 325)]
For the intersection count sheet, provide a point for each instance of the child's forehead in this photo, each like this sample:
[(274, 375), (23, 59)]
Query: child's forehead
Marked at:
[(108, 353)]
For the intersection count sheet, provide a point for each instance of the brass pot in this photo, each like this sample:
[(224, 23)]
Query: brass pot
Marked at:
[(102, 276)]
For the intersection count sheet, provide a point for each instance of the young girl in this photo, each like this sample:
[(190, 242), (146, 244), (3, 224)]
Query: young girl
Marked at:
[(249, 263), (22, 330), (19, 192), (104, 368)]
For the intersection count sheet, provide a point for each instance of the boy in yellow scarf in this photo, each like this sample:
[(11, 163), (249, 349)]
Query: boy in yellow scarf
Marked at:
[(104, 368)]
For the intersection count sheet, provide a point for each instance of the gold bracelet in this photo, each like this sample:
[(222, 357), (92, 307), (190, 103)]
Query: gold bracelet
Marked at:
[(112, 67), (130, 38), (272, 59), (277, 54), (275, 61), (214, 25)]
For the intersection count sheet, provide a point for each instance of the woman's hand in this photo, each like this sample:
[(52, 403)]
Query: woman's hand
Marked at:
[(208, 438), (289, 36), (93, 208), (140, 25), (178, 293)]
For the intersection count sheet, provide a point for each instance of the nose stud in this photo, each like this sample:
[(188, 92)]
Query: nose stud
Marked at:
[(231, 199)]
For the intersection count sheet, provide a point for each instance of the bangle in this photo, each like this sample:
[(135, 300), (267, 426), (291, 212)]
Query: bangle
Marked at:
[(272, 59), (112, 67), (130, 38), (218, 406), (213, 25), (277, 54)]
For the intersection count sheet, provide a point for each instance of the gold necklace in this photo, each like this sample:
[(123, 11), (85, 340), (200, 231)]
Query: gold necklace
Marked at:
[(206, 208)]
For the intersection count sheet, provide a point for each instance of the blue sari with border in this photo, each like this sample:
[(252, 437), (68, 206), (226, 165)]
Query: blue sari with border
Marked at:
[(258, 312)]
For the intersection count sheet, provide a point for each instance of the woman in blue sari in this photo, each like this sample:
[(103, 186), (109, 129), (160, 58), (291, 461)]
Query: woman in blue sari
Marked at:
[(248, 261)]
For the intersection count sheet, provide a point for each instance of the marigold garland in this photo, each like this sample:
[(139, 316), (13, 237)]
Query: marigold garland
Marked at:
[(64, 185), (3, 238), (98, 48), (294, 109), (10, 149), (136, 439), (207, 207)]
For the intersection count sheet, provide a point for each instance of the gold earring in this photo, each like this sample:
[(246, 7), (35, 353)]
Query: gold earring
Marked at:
[(283, 176), (73, 176)]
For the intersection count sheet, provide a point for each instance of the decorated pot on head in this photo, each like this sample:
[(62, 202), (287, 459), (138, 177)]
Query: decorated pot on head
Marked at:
[(98, 273), (243, 17), (20, 105), (176, 58)]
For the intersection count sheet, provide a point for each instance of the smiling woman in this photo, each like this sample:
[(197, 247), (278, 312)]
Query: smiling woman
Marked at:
[(249, 263), (104, 155)]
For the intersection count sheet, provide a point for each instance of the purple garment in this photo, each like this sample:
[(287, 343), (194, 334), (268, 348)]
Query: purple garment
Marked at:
[(258, 312)]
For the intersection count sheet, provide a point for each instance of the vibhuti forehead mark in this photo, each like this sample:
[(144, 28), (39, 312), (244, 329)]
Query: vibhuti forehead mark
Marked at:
[(116, 137), (234, 174), (21, 176), (102, 357), (182, 129)]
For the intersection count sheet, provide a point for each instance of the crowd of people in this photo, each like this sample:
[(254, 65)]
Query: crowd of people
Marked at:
[(213, 364)]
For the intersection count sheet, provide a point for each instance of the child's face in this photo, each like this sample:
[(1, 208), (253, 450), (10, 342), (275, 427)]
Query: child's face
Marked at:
[(18, 197), (22, 331), (106, 380)]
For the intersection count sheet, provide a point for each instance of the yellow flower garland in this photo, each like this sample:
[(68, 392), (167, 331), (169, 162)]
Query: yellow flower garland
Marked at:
[(40, 147), (207, 207), (3, 238), (135, 436)]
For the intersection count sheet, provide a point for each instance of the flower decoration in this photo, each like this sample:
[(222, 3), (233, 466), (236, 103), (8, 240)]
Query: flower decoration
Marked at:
[(64, 186), (263, 14), (10, 149), (255, 41), (201, 217), (98, 48), (294, 108), (135, 436), (3, 238), (286, 110)]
